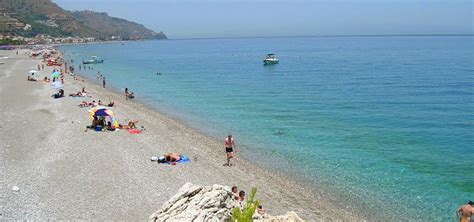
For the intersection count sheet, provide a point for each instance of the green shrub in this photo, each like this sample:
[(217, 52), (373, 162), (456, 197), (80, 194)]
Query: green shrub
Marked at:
[(245, 214)]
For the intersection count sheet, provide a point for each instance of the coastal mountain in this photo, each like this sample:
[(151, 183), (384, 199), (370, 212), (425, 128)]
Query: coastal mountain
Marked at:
[(115, 26), (29, 18)]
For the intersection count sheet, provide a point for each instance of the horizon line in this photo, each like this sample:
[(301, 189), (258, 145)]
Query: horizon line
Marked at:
[(306, 36)]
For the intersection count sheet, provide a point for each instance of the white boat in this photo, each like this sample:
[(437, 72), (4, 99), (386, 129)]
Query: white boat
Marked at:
[(2, 62), (270, 59), (94, 60)]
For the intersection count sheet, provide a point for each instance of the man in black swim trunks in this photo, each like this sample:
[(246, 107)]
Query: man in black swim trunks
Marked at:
[(229, 146)]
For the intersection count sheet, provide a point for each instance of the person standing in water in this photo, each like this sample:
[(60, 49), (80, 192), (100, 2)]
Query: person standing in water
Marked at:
[(103, 82), (229, 146), (465, 212)]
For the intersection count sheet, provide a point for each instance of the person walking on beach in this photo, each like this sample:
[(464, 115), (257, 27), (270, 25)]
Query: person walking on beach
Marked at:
[(465, 212), (229, 146), (103, 82)]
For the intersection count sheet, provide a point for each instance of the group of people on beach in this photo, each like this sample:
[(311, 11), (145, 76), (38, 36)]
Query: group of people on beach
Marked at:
[(239, 196), (229, 143)]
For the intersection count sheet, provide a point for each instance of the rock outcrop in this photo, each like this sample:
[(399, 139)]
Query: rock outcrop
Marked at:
[(196, 203), (207, 203)]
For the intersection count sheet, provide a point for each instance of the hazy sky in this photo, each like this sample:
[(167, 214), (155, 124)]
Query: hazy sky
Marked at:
[(242, 18)]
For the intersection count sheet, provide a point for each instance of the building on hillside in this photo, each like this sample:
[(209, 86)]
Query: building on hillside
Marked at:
[(27, 27)]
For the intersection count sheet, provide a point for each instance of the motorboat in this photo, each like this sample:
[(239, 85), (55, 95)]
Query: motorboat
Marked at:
[(270, 59), (94, 60)]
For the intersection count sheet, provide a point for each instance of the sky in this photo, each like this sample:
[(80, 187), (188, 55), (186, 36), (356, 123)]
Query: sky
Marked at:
[(261, 18)]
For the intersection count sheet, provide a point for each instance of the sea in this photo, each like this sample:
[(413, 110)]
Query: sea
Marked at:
[(383, 122)]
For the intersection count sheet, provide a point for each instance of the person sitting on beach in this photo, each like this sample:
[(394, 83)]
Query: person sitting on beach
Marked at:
[(235, 192), (96, 122), (241, 198), (32, 78), (128, 95), (465, 212), (259, 214), (111, 104), (59, 94), (261, 210), (100, 103), (109, 126), (46, 80), (229, 146)]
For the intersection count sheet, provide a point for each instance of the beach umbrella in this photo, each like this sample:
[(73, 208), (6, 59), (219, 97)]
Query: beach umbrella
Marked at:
[(102, 111), (57, 85), (56, 74), (32, 72)]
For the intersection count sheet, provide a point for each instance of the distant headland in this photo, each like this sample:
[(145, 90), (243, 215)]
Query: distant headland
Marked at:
[(36, 20)]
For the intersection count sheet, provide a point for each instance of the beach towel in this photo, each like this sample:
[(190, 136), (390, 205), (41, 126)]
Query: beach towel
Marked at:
[(183, 159), (134, 131)]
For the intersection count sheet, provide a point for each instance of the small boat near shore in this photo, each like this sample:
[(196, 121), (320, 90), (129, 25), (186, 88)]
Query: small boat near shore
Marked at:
[(270, 59), (94, 60)]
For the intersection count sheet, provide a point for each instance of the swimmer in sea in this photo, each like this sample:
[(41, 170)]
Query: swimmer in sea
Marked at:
[(465, 212)]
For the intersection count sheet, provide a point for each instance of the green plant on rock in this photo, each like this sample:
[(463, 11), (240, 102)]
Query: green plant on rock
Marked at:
[(245, 214)]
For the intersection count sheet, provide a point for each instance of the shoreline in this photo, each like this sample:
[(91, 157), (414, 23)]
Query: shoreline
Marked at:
[(297, 183), (278, 192)]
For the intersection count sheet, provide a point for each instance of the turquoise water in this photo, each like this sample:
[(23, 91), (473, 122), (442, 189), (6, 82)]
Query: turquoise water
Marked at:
[(382, 121)]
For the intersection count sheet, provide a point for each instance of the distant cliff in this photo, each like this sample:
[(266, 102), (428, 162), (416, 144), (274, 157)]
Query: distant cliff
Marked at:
[(32, 17)]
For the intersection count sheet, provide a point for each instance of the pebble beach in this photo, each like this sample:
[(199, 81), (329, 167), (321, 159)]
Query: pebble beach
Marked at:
[(63, 171)]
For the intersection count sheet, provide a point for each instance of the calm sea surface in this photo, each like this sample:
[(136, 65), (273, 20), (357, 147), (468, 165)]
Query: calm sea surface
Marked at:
[(382, 121)]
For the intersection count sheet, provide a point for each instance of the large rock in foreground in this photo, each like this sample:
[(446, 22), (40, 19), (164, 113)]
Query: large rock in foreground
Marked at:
[(196, 203), (208, 203)]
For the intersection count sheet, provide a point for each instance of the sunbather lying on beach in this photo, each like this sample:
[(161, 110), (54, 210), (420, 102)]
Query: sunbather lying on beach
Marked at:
[(84, 104), (172, 157), (78, 94), (130, 125)]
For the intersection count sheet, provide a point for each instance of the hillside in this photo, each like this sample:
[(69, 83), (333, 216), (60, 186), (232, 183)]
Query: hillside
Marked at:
[(31, 17), (115, 26)]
